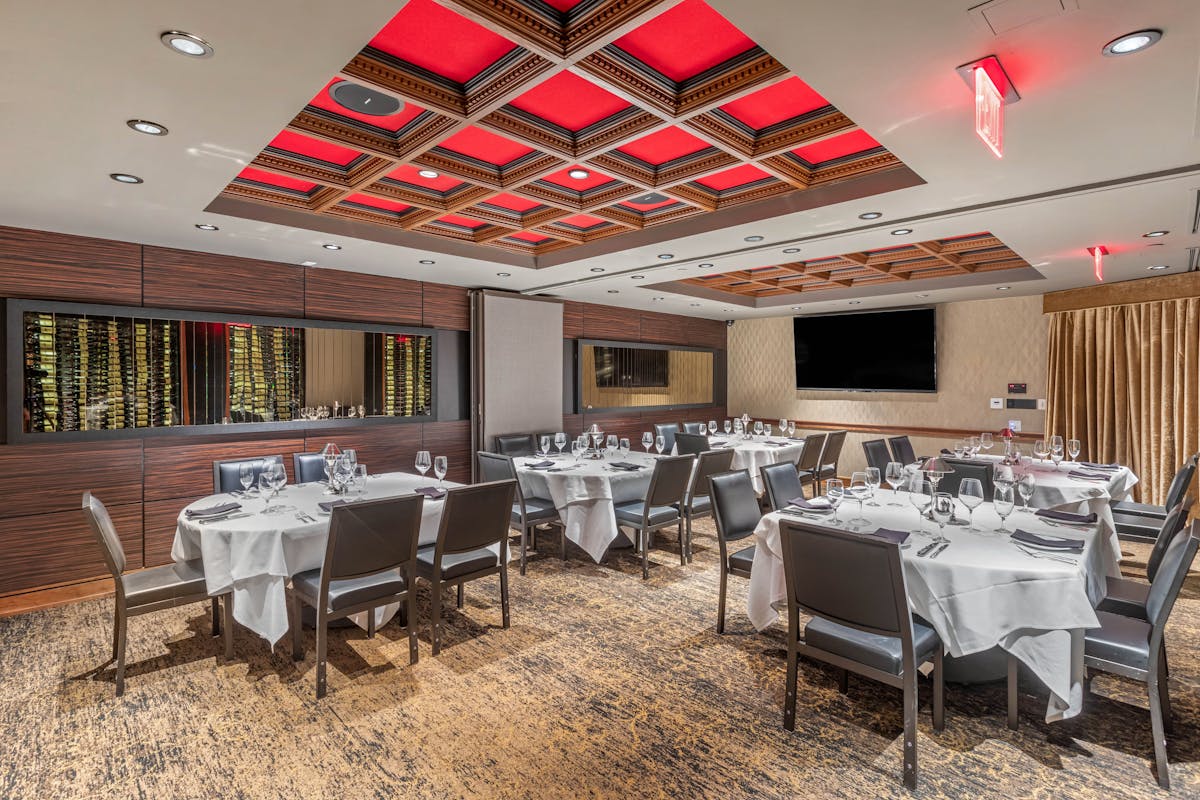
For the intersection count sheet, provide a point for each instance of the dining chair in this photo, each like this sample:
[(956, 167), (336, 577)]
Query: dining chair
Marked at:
[(660, 509), (308, 467), (515, 444), (148, 590), (370, 561), (474, 519), (854, 588), (1128, 597), (227, 474), (831, 455), (695, 427), (667, 430), (877, 455), (1135, 649), (963, 469), (527, 512), (902, 450), (736, 513), (698, 503), (809, 464), (781, 483), (690, 444), (1140, 521)]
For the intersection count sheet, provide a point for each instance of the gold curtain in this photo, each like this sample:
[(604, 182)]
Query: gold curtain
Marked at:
[(1125, 381)]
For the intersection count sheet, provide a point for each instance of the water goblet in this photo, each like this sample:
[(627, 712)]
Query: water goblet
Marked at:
[(440, 466), (264, 490), (660, 444), (611, 444), (767, 430), (360, 477), (246, 475), (893, 473), (920, 494), (873, 480), (647, 441), (560, 441), (623, 448), (544, 445), (1073, 449), (1041, 449), (970, 494), (986, 441), (712, 427), (859, 490), (728, 427), (791, 429), (1002, 501), (758, 427), (423, 462), (941, 509), (834, 492), (782, 426), (973, 446), (960, 447), (1026, 487)]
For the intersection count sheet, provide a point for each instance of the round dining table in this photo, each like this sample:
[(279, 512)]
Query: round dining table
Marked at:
[(755, 452)]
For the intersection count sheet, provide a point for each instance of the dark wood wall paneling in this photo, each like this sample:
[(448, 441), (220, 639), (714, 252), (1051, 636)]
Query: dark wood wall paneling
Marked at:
[(54, 266), (208, 282)]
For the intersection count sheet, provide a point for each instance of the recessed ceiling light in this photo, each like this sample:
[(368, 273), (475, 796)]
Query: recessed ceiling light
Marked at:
[(362, 100), (922, 296), (426, 261), (638, 277), (147, 127), (579, 174), (122, 177), (308, 263), (694, 305), (204, 226), (332, 246), (795, 308), (186, 44), (855, 302), (614, 291), (658, 299), (1131, 42), (753, 239), (902, 232), (1003, 288), (871, 215), (705, 266), (428, 173), (597, 269), (1154, 234), (1157, 267), (666, 256), (503, 274), (792, 250)]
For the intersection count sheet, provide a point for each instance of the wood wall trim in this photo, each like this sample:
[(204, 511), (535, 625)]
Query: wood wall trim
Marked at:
[(900, 430), (446, 307), (340, 295), (55, 266), (210, 282), (61, 594), (1144, 290)]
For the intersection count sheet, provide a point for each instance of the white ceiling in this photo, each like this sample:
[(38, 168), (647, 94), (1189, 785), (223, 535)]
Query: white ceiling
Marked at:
[(1098, 150)]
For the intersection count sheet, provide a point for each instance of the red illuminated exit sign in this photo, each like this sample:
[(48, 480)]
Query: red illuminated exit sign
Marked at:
[(993, 90)]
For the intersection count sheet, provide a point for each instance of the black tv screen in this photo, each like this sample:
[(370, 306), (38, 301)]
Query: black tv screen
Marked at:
[(631, 367), (879, 351)]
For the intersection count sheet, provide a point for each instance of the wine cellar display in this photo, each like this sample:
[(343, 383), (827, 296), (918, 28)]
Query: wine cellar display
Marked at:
[(91, 372)]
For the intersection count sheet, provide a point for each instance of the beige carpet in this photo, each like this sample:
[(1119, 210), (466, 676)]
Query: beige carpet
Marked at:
[(605, 686)]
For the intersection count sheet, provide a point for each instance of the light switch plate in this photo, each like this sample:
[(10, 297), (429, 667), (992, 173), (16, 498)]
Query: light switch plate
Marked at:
[(1014, 425), (1041, 404), (996, 402)]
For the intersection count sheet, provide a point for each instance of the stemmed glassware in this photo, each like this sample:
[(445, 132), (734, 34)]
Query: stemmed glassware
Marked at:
[(1073, 449), (973, 446), (623, 448), (942, 510), (835, 491), (894, 475), (1004, 476), (712, 427), (728, 427), (758, 427), (544, 444), (873, 484), (986, 441), (440, 467), (767, 430), (782, 426), (329, 452), (960, 447), (351, 456), (343, 471), (647, 441), (1026, 487), (920, 494), (970, 493), (423, 462), (1002, 501), (660, 444), (859, 490), (560, 441), (1056, 450), (611, 444), (737, 428), (791, 429), (246, 475), (1041, 449), (272, 478), (581, 445)]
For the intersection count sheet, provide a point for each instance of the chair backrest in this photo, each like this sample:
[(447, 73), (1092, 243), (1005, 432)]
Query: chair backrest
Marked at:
[(106, 535), (1180, 483), (782, 483), (833, 448), (515, 444), (963, 470), (853, 580), (735, 505), (694, 427), (1173, 523), (877, 455), (495, 467), (810, 456), (669, 483), (475, 516), (308, 467), (667, 430), (227, 474), (1172, 572), (902, 450), (690, 444), (371, 536), (711, 462)]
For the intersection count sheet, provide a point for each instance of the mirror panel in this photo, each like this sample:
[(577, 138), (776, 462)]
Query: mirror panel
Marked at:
[(616, 375)]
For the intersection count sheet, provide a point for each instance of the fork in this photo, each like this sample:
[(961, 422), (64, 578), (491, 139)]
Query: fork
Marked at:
[(1032, 554)]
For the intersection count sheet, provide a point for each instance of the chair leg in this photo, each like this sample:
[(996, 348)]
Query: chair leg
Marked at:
[(322, 646), (563, 540), (644, 535), (793, 658), (721, 601), (689, 538), (120, 635), (459, 599), (1012, 693), (216, 617), (228, 623), (524, 543), (435, 615), (682, 544), (910, 731), (370, 623), (297, 628), (843, 681), (410, 603), (503, 594), (939, 692), (1164, 690), (1156, 730)]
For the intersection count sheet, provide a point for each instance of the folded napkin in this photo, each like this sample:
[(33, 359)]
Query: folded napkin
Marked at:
[(946, 452), (1048, 542), (432, 492), (896, 537), (330, 505), (717, 442), (816, 504), (1066, 516), (1084, 475), (775, 444), (538, 464), (1091, 465), (625, 465), (211, 511)]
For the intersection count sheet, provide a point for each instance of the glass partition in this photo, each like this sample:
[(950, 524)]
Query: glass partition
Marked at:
[(615, 375)]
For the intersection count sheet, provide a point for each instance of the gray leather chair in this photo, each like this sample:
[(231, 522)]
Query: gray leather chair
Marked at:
[(695, 427), (147, 590), (515, 444), (1141, 521), (809, 463), (1128, 597), (474, 518), (854, 588), (964, 469), (370, 561), (527, 512), (781, 484), (877, 455), (1135, 648), (227, 474), (667, 430), (902, 450), (736, 513), (699, 504), (690, 444), (660, 509), (831, 455), (308, 467)]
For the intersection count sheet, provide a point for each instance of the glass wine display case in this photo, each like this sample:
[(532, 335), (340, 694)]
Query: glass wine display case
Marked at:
[(80, 369)]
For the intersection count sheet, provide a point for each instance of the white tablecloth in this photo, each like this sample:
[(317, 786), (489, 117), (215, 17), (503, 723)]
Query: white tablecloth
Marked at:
[(982, 592), (256, 555), (757, 452), (584, 494)]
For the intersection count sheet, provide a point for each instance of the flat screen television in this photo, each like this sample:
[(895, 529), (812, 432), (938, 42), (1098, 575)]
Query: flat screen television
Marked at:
[(873, 351), (631, 367)]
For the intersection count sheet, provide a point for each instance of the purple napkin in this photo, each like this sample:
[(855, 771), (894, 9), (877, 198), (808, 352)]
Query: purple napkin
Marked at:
[(1066, 516), (1048, 542), (895, 537), (625, 465), (775, 444), (717, 442), (432, 492), (1088, 476), (330, 505), (816, 504), (211, 511), (538, 464), (1091, 465)]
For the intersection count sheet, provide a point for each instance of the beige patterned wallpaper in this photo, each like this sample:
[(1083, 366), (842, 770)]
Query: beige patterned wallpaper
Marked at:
[(982, 346)]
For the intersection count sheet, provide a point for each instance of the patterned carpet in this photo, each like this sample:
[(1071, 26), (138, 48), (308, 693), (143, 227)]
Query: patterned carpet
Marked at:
[(605, 686)]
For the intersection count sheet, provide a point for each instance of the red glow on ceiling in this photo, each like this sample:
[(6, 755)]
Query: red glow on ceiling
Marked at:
[(378, 202), (561, 178), (462, 222), (664, 146), (273, 179), (512, 203), (1098, 252), (776, 103), (989, 113), (730, 178), (837, 146), (314, 148), (391, 123), (685, 41), (570, 102), (563, 5), (583, 221), (411, 175), (632, 206), (488, 147), (435, 38), (528, 236)]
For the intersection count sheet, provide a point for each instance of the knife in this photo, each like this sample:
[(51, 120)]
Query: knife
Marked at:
[(939, 550), (925, 550), (222, 519)]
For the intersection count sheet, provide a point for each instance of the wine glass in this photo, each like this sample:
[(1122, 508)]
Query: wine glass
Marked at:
[(1056, 450), (611, 444), (544, 443), (623, 448), (1026, 487), (360, 477), (920, 494), (423, 462), (873, 483), (440, 465), (782, 426), (581, 445), (960, 447), (712, 427), (276, 478), (351, 456), (1073, 449), (941, 509), (859, 490), (973, 445), (791, 429), (246, 475), (660, 444), (893, 473), (737, 427), (1041, 449), (835, 491), (767, 430), (1002, 501), (597, 437), (560, 441), (344, 471), (647, 441), (1004, 476), (986, 441), (728, 427), (264, 490), (575, 449), (970, 493), (758, 427)]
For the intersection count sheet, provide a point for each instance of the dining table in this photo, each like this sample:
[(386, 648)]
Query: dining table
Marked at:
[(983, 590), (254, 553), (754, 452)]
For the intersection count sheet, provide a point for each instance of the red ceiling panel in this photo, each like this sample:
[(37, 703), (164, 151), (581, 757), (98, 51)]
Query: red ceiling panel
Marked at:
[(570, 101), (581, 221), (685, 41), (563, 5), (462, 222), (393, 122), (528, 236), (273, 179), (665, 145), (836, 147), (478, 143), (776, 103), (513, 203), (437, 39), (378, 202), (411, 175), (594, 179), (643, 207), (732, 178), (314, 148)]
